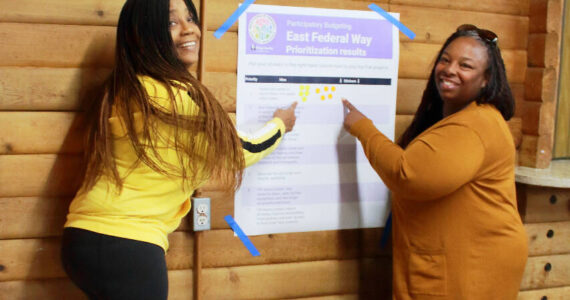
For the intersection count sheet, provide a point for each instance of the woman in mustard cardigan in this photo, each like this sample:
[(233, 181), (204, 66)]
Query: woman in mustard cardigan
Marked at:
[(457, 232), (154, 136)]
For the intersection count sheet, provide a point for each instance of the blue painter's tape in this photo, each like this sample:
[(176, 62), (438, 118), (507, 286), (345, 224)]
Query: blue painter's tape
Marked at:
[(386, 233), (405, 30), (232, 19), (244, 239)]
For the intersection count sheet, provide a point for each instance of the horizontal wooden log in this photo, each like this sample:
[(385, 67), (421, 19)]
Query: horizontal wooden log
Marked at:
[(87, 12), (224, 249), (303, 279), (31, 259), (44, 175), (180, 287), (416, 59), (546, 272), (501, 7), (47, 289), (39, 217), (32, 217), (79, 12), (62, 45), (511, 30), (548, 238), (62, 89), (40, 133), (560, 293)]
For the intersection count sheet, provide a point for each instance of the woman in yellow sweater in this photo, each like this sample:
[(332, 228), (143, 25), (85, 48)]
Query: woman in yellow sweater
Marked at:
[(457, 232), (154, 136)]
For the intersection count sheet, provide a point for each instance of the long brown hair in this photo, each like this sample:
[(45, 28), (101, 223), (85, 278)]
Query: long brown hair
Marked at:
[(497, 92), (144, 47)]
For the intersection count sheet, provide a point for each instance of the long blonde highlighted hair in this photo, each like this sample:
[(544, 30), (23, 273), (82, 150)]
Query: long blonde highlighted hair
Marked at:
[(144, 47)]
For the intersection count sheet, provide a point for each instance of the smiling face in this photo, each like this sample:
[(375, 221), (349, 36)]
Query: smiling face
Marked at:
[(460, 73), (185, 32)]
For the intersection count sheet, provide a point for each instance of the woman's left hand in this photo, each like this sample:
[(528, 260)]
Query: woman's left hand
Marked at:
[(352, 114)]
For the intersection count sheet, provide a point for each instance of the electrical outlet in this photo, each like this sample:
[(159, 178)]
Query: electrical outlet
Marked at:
[(201, 213)]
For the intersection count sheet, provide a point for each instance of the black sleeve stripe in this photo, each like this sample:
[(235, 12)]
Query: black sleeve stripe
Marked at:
[(256, 148)]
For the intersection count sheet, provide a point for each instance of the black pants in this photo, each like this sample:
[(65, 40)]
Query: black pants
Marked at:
[(108, 267)]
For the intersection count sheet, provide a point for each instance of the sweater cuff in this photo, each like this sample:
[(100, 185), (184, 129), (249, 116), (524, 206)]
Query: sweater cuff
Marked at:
[(362, 128)]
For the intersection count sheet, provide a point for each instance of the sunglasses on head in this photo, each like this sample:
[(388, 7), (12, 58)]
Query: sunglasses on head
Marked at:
[(484, 34)]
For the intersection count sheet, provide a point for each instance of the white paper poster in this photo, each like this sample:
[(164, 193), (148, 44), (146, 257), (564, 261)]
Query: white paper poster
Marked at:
[(319, 177)]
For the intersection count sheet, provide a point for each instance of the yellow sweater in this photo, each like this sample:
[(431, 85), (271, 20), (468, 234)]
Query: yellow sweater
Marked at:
[(151, 205), (457, 232)]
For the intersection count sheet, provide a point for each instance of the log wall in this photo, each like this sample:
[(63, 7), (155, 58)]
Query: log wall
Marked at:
[(56, 52)]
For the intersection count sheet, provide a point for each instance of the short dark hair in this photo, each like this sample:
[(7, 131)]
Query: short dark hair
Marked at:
[(496, 92)]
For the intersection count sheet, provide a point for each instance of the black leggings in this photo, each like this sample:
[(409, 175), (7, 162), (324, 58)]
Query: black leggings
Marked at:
[(108, 267)]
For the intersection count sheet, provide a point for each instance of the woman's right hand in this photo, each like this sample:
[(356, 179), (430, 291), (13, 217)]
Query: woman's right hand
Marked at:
[(287, 116), (352, 115)]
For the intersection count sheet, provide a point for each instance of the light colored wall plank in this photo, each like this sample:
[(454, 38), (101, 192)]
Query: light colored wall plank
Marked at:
[(39, 175), (548, 238), (27, 88), (92, 12), (536, 275), (46, 289), (40, 132), (511, 30), (512, 7), (62, 45), (227, 250), (302, 280), (180, 287), (32, 217), (32, 259), (224, 87), (79, 12)]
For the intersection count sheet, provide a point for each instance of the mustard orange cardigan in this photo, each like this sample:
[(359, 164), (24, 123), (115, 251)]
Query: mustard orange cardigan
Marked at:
[(457, 232)]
